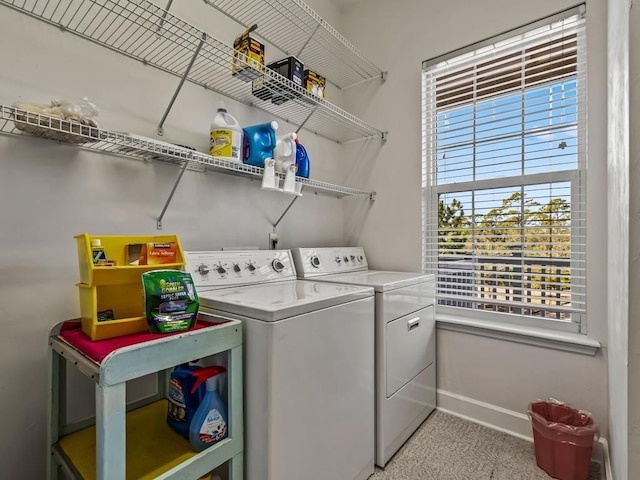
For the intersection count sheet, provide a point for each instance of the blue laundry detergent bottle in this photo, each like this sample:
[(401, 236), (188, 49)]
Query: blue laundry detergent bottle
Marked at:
[(259, 142), (209, 424), (302, 161), (181, 402)]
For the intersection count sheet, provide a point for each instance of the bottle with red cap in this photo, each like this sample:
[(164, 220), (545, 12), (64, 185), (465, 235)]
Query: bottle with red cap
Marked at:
[(209, 423)]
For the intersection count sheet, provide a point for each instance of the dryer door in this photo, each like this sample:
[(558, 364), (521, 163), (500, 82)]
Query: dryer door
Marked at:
[(410, 347)]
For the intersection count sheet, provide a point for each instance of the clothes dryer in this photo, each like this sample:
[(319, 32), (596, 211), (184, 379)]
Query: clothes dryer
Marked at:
[(405, 338), (308, 364)]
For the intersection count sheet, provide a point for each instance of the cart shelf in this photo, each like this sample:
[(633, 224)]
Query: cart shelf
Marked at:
[(293, 27), (138, 444), (145, 32), (153, 450), (129, 145)]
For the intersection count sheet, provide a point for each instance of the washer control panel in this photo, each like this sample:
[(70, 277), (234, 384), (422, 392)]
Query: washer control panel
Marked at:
[(317, 261), (228, 268)]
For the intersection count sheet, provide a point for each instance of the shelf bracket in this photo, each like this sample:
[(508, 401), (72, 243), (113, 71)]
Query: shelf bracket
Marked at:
[(372, 196), (184, 77), (308, 40), (301, 126), (286, 210), (164, 16), (173, 190)]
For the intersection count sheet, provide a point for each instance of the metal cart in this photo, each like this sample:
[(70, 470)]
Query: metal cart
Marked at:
[(134, 441)]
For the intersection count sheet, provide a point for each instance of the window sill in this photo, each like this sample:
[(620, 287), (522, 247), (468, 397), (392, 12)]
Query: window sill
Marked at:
[(565, 341)]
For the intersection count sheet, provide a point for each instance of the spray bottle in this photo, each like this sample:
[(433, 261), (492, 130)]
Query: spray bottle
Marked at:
[(285, 151), (209, 424), (302, 160), (226, 136), (182, 403)]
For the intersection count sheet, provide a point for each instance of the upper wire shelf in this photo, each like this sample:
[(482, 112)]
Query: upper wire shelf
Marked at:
[(147, 33), (293, 27), (22, 122)]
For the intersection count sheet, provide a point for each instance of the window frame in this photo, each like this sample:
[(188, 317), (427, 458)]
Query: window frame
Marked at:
[(576, 177)]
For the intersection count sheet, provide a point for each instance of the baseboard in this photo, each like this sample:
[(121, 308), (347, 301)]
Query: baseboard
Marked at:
[(489, 415), (606, 460), (503, 420)]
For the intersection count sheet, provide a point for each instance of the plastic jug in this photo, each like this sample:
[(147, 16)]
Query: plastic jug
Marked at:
[(226, 136), (302, 161), (285, 151), (259, 143), (209, 424), (182, 404)]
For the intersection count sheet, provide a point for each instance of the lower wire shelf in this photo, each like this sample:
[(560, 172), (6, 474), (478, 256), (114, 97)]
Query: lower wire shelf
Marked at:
[(15, 121), (153, 449)]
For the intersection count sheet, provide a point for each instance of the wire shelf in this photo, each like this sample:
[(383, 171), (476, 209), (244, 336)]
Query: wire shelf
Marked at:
[(147, 33), (15, 121), (293, 27)]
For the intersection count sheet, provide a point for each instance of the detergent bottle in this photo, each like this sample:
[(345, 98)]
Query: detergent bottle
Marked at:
[(285, 151), (259, 143), (182, 404), (226, 136), (209, 424), (302, 161)]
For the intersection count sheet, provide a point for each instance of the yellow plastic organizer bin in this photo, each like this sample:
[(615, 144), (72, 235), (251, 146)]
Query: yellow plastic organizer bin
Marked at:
[(125, 301), (111, 295), (115, 250)]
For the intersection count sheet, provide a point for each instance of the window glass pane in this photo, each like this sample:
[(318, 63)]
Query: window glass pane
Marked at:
[(505, 125)]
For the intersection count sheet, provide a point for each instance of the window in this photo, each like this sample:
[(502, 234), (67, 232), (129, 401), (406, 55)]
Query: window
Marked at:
[(504, 175)]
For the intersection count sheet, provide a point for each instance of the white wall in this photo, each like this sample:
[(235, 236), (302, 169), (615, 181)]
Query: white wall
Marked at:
[(398, 36), (634, 243), (634, 253), (50, 192)]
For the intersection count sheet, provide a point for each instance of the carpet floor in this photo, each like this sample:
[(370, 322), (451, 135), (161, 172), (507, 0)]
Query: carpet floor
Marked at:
[(446, 447)]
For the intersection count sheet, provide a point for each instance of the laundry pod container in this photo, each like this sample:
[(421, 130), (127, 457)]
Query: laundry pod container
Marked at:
[(563, 439)]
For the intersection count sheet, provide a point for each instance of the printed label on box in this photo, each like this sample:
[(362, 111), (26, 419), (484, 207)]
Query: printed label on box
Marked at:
[(158, 253)]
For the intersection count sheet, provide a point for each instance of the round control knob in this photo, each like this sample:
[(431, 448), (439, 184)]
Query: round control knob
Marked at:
[(277, 265), (236, 268), (315, 262), (346, 259), (338, 259), (221, 270), (353, 258), (251, 267), (360, 258), (203, 269)]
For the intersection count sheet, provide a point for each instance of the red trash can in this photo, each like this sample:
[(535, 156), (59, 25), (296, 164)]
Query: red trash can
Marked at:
[(563, 439)]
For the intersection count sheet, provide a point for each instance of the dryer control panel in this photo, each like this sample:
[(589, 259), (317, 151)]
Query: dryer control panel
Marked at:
[(246, 267), (322, 261)]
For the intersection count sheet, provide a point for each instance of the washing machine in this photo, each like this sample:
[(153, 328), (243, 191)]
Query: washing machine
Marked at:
[(405, 338), (308, 364)]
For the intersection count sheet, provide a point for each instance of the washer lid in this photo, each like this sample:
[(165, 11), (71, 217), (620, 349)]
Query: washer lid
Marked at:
[(278, 300), (380, 280)]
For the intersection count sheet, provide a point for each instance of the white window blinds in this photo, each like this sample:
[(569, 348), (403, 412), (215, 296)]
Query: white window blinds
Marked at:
[(504, 155)]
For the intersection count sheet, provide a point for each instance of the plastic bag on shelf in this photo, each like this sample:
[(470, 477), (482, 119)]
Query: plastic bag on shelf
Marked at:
[(79, 111), (62, 120)]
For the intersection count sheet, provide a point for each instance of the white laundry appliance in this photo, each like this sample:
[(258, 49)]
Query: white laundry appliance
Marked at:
[(405, 338), (308, 364)]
